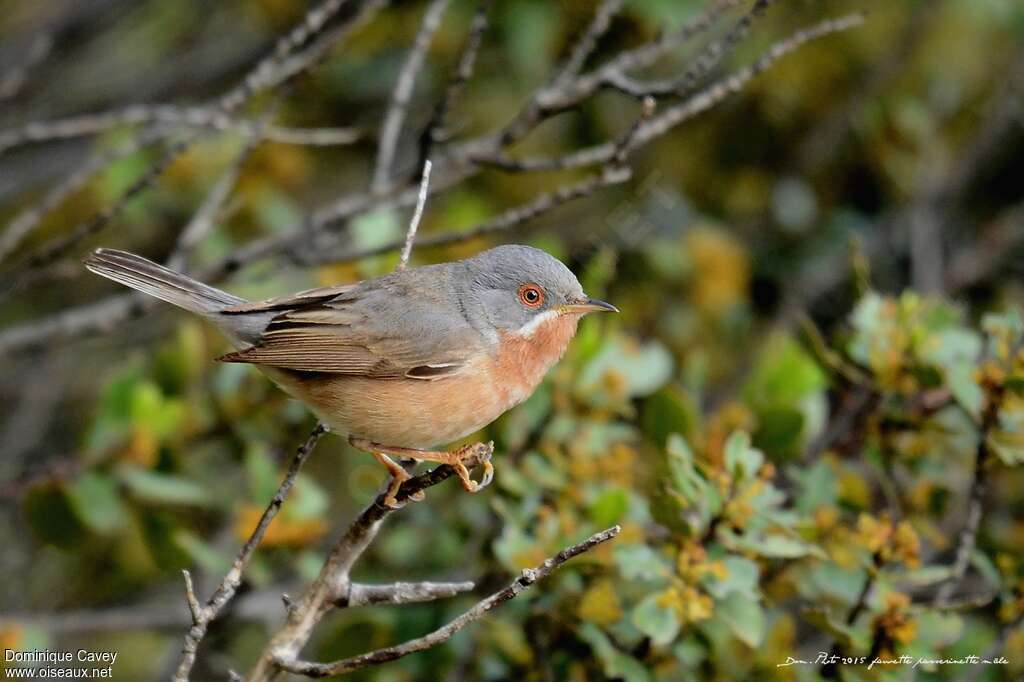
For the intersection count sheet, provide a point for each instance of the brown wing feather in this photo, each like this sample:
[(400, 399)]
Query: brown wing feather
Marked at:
[(330, 336), (296, 300)]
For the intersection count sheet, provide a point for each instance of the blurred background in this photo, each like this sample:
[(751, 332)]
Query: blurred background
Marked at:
[(809, 400)]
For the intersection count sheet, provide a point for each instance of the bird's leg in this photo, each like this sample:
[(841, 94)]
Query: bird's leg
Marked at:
[(398, 476), (398, 473), (454, 459)]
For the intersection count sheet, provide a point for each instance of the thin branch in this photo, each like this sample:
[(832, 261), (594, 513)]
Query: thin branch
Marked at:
[(705, 99), (435, 132), (968, 538), (529, 577), (507, 220), (556, 97), (401, 593), (414, 224), (676, 114), (391, 128), (15, 78), (202, 220), (204, 117), (203, 616), (585, 45), (701, 67), (261, 606)]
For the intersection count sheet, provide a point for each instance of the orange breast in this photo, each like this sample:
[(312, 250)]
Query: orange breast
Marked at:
[(522, 361)]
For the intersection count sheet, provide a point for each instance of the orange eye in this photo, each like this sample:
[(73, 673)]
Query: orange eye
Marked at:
[(531, 295)]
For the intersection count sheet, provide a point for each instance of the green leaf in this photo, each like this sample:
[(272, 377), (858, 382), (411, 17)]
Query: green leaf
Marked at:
[(640, 562), (160, 488), (50, 516), (307, 501), (660, 623), (96, 501), (780, 547), (741, 578), (925, 575), (543, 472), (852, 638), (639, 369), (200, 552), (783, 375), (744, 616), (668, 411), (779, 431), (609, 507), (616, 664), (986, 568), (261, 473), (742, 460)]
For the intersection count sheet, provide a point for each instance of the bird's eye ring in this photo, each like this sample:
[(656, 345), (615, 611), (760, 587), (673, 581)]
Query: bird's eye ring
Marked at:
[(531, 296)]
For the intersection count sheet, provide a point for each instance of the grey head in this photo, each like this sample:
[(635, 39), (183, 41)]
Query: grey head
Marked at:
[(512, 285)]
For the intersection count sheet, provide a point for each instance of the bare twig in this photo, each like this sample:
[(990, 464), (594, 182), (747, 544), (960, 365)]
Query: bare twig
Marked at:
[(391, 129), (401, 593), (414, 224), (701, 67), (203, 219), (676, 114), (585, 45), (203, 117), (434, 132), (529, 577), (968, 537), (203, 615), (263, 605), (14, 79)]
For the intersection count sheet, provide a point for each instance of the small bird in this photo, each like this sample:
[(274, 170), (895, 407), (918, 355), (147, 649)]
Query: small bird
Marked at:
[(400, 364)]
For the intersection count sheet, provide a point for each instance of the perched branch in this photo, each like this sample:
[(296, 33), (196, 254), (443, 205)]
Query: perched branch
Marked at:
[(203, 615), (333, 583), (444, 633)]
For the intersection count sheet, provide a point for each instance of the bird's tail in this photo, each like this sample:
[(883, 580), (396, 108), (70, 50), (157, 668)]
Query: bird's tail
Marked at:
[(156, 280)]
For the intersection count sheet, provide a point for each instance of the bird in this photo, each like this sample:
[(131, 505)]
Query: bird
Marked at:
[(400, 364)]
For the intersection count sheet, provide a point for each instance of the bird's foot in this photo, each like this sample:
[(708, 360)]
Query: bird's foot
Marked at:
[(473, 454), (398, 476)]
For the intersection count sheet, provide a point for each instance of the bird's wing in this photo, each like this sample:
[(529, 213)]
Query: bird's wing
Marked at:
[(361, 331)]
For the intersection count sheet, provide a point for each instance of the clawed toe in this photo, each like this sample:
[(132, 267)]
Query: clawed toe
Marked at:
[(479, 453)]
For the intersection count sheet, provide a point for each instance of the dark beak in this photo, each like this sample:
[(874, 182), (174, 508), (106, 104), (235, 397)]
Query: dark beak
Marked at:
[(590, 305)]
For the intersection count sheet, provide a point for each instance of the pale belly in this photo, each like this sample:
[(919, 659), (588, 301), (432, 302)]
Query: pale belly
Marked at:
[(408, 413)]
